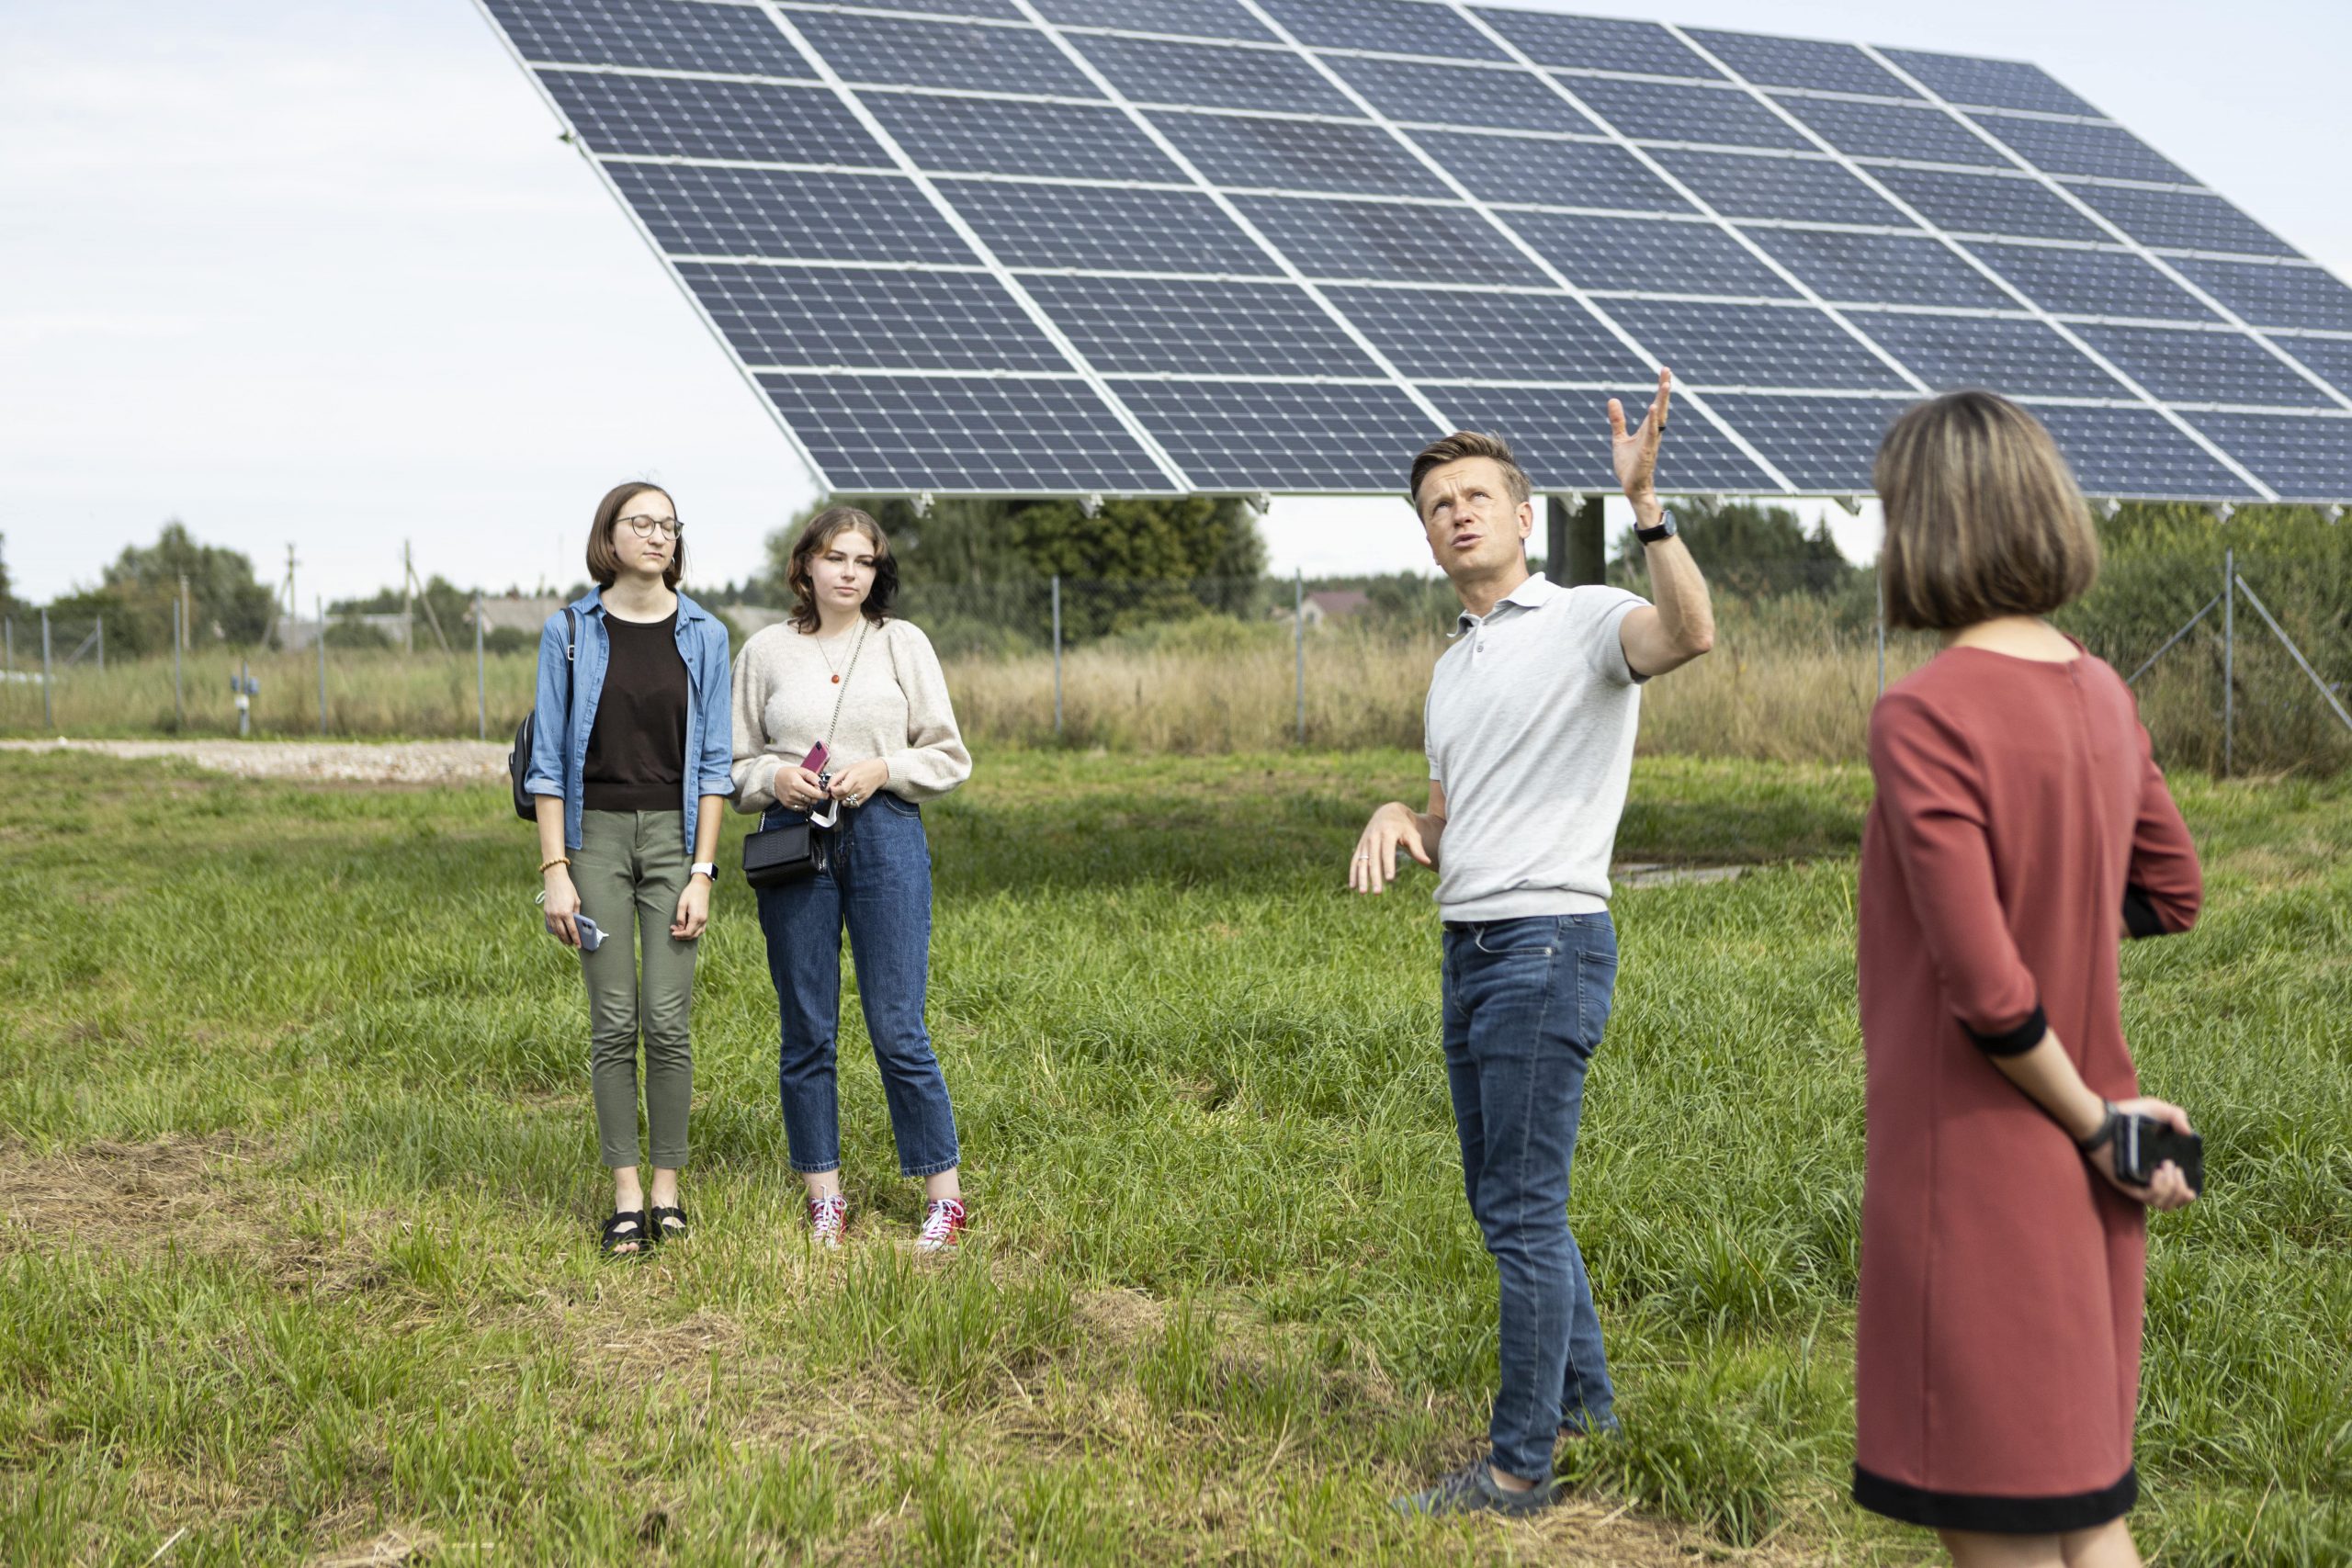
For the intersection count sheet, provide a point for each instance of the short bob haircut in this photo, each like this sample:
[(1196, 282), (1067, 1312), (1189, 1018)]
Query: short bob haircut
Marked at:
[(1983, 516), (815, 539), (1469, 443), (604, 559)]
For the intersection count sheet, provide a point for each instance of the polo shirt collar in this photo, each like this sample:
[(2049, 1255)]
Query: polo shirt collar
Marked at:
[(1531, 595)]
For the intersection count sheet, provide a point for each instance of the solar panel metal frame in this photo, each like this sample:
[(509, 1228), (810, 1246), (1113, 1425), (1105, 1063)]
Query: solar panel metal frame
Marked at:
[(2326, 405)]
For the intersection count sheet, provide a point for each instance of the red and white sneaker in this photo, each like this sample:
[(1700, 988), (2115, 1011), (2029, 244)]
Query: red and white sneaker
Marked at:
[(943, 1225), (827, 1219)]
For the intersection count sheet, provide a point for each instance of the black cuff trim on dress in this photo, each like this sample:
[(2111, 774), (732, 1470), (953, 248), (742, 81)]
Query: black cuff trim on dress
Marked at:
[(2014, 1041), (1999, 1516), (2140, 919)]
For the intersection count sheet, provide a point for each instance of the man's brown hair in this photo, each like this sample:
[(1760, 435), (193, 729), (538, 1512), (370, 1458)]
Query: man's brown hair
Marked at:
[(604, 559), (1469, 443), (1983, 516), (819, 536)]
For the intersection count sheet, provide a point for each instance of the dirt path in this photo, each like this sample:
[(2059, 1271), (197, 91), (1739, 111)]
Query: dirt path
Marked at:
[(355, 761)]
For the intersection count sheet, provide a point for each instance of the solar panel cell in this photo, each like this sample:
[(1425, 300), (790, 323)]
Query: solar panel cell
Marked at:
[(1505, 99), (1673, 112), (2330, 356), (1988, 204), (866, 320), (2190, 367), (666, 116), (1245, 151), (1655, 257), (1149, 71), (1557, 436), (2136, 452), (1995, 83), (1902, 269), (978, 136), (1199, 327), (1799, 63), (887, 51), (1454, 334), (1823, 445), (1597, 43), (2304, 457), (2275, 294), (1550, 172), (1805, 190), (1244, 436), (2070, 282), (1392, 26), (1895, 130), (1390, 241), (2016, 358), (2069, 147), (1106, 228), (999, 8), (1197, 18), (699, 209), (660, 34), (903, 434), (1712, 345), (2182, 219)]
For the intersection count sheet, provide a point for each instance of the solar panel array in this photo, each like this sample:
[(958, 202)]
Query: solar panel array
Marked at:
[(1147, 246)]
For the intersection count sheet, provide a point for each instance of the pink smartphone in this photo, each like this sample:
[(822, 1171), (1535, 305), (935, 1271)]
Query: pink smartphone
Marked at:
[(815, 761)]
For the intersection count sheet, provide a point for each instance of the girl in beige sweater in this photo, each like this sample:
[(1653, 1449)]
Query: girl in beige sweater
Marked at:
[(844, 673)]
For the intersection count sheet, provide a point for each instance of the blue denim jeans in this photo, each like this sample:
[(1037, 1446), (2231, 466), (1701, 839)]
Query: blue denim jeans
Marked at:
[(1526, 1003), (876, 883)]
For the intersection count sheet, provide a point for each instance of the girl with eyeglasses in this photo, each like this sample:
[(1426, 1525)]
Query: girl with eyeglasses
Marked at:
[(630, 756)]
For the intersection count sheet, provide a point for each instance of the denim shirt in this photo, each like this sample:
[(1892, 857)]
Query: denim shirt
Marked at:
[(560, 751)]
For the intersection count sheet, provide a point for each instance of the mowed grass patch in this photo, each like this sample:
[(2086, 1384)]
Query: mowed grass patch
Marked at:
[(296, 1252)]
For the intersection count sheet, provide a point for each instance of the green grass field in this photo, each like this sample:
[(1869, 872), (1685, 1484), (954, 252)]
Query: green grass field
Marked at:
[(295, 1243)]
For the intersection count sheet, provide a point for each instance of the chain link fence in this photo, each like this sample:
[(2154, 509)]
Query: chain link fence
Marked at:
[(2251, 679)]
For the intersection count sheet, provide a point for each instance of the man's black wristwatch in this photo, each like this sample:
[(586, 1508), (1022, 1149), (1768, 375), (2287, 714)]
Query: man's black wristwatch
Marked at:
[(1662, 531)]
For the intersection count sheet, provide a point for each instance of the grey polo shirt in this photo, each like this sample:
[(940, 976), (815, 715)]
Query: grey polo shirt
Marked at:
[(1529, 726)]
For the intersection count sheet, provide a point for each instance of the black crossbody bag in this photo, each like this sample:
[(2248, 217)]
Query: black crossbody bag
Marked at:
[(774, 856)]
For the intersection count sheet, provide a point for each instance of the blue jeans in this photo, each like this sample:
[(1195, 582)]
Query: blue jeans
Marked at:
[(1526, 1003), (877, 883)]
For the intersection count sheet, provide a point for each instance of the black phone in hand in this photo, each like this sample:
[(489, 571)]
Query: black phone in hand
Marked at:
[(2142, 1144)]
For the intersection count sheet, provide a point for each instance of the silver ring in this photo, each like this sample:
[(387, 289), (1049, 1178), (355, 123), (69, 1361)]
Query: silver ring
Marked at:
[(858, 799)]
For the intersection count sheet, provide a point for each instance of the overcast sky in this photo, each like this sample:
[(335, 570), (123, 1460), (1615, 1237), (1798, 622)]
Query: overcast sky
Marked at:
[(321, 273)]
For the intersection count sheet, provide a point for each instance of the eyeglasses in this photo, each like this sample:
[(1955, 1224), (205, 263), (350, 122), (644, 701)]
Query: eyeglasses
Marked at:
[(670, 526)]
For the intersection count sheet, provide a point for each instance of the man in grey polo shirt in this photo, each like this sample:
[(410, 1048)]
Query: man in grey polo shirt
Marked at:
[(1530, 732)]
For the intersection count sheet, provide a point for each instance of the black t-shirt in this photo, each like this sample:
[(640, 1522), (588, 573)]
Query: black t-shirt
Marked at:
[(637, 747)]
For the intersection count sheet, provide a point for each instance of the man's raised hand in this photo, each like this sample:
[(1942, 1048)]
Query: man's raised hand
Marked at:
[(1635, 452)]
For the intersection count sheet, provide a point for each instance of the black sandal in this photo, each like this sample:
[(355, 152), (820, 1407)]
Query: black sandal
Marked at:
[(616, 1237), (669, 1225)]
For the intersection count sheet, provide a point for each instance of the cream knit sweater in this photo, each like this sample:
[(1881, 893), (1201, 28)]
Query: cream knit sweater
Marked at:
[(894, 706)]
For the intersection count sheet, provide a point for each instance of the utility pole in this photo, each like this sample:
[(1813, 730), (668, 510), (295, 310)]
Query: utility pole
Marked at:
[(293, 603), (408, 601), (414, 587), (184, 611)]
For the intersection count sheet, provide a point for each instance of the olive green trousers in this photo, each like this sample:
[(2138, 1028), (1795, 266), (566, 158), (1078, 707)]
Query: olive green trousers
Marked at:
[(631, 870)]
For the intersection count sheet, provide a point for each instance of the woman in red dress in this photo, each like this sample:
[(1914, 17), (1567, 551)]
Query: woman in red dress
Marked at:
[(2021, 830)]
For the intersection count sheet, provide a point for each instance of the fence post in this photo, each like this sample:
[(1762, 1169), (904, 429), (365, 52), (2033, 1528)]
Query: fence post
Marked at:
[(323, 665), (102, 645), (179, 698), (1298, 631), (2228, 660), (481, 677), (1057, 655), (48, 714), (1881, 632)]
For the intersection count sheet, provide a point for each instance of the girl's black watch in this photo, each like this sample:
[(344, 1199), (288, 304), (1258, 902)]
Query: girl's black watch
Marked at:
[(1663, 530)]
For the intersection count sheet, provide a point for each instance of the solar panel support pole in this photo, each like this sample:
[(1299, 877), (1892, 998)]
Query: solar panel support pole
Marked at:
[(1057, 655), (2228, 660), (179, 697), (48, 674), (1298, 630), (1577, 543), (102, 645)]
